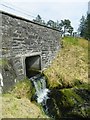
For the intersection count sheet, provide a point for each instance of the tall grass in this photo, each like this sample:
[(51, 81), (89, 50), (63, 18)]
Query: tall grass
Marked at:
[(70, 65)]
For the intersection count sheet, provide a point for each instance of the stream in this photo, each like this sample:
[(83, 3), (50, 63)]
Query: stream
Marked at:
[(56, 104), (42, 93), (40, 87), (45, 97)]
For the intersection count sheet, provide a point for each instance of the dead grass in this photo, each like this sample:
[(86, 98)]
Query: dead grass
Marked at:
[(70, 65), (19, 108), (17, 102)]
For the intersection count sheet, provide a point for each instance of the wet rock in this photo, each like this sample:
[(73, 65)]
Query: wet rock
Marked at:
[(69, 103)]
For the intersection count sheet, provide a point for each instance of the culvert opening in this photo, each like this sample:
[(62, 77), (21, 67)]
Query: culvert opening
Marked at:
[(33, 65)]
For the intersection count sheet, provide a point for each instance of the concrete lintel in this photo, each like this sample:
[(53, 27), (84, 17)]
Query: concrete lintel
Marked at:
[(29, 54)]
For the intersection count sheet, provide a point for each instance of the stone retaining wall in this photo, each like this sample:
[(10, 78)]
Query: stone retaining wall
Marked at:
[(22, 37)]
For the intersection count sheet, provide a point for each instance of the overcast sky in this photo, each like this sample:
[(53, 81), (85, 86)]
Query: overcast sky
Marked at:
[(47, 9)]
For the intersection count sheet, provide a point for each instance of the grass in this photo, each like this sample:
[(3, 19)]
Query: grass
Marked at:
[(70, 98), (70, 66), (19, 108), (17, 102), (23, 89), (68, 69)]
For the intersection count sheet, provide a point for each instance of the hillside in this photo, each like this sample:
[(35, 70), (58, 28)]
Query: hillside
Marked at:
[(70, 67), (67, 78)]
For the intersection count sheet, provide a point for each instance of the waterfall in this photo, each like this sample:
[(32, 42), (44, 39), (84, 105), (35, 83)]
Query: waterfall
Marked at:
[(1, 80), (40, 86), (45, 96)]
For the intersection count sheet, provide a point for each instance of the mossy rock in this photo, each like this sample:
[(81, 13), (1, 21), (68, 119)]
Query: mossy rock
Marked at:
[(70, 98), (82, 111), (3, 62), (70, 102)]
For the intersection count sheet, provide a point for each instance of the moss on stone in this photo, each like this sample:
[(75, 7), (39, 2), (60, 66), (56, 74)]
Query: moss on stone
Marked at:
[(69, 98), (72, 102), (3, 62)]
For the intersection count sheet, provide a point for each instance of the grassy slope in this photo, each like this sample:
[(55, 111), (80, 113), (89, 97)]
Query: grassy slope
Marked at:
[(19, 108), (17, 104), (70, 67)]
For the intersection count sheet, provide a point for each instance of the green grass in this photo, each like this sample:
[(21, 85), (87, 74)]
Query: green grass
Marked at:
[(20, 108), (23, 89), (71, 40), (17, 102), (76, 42), (70, 67), (70, 98)]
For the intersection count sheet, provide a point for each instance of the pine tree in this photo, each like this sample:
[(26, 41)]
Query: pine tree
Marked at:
[(84, 27), (88, 26)]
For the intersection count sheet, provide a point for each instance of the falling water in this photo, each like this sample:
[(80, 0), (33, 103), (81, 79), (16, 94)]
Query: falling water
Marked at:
[(40, 86), (44, 96)]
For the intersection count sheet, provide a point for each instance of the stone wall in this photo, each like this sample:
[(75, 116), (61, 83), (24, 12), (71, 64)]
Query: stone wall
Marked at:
[(22, 38)]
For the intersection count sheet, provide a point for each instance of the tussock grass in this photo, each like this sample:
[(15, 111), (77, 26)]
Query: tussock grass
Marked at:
[(19, 108), (22, 89), (17, 102), (70, 66)]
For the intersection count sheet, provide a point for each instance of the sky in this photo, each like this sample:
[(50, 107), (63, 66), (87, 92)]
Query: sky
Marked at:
[(48, 9)]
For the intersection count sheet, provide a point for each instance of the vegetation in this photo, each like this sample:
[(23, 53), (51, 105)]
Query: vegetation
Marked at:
[(70, 102), (66, 26), (84, 27), (75, 101), (20, 108), (67, 78), (23, 89), (17, 102), (70, 67), (63, 26), (3, 62)]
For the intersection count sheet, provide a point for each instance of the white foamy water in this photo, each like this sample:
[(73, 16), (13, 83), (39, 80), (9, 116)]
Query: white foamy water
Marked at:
[(40, 86), (1, 80), (42, 95)]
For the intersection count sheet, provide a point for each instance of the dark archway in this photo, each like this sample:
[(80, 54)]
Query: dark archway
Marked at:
[(33, 65)]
